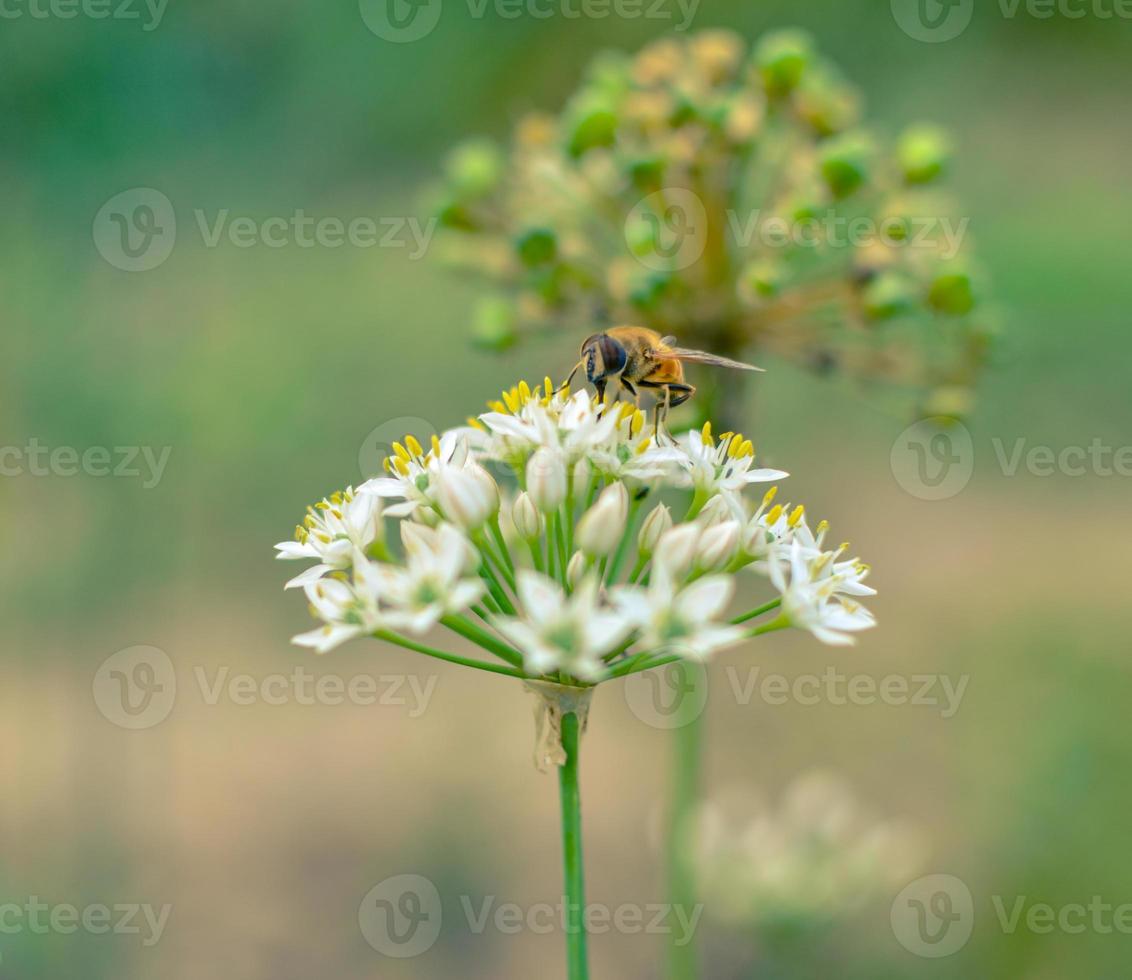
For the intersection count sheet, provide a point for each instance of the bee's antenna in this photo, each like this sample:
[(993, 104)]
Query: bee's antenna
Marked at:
[(566, 384)]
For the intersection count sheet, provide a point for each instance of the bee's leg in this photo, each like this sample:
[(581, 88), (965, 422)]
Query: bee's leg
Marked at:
[(680, 393), (599, 387), (662, 416), (632, 391)]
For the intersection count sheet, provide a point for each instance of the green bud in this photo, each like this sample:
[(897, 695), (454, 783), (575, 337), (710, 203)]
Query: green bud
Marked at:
[(761, 279), (888, 295), (845, 163), (591, 123), (952, 293), (494, 323), (475, 168), (782, 57), (827, 102), (647, 173), (538, 246), (923, 152)]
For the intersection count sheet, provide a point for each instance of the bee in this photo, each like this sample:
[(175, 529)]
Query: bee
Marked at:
[(638, 357)]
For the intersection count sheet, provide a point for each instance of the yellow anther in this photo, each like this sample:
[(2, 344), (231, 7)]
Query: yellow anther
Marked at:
[(401, 465), (322, 505), (336, 497), (747, 449), (774, 516), (547, 386), (401, 451), (387, 463), (309, 521), (645, 443), (726, 436), (823, 526), (770, 495), (413, 446), (323, 537), (511, 400), (862, 568), (524, 392), (497, 406), (734, 446), (436, 444), (474, 423), (796, 517), (705, 433), (300, 532), (636, 423)]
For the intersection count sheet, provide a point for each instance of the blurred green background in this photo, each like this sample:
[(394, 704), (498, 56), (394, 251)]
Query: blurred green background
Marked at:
[(272, 374)]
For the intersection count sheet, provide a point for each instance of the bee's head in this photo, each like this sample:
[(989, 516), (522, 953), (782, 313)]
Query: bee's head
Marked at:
[(603, 357)]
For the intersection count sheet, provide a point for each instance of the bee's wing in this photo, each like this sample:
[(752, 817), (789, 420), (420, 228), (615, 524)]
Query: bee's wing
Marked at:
[(701, 357)]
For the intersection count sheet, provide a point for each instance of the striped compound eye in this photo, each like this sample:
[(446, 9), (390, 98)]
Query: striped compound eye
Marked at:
[(613, 356)]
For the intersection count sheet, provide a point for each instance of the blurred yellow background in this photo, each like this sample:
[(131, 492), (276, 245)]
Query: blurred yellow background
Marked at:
[(273, 374)]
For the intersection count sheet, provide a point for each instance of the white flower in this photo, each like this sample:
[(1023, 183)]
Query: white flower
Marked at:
[(432, 583), (723, 469), (811, 600), (466, 495), (555, 632), (525, 421), (658, 521), (676, 549), (413, 472), (601, 527), (717, 546), (546, 480), (525, 517), (332, 531), (679, 620), (346, 609)]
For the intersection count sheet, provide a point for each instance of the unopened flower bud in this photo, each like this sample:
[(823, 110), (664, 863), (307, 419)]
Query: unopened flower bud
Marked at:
[(676, 549), (575, 569), (717, 546), (753, 540), (546, 480), (782, 58), (845, 163), (600, 529), (658, 521), (583, 473), (923, 152), (714, 511), (525, 517), (468, 496)]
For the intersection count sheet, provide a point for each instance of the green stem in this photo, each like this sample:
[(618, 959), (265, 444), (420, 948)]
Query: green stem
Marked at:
[(451, 658), (576, 965), (757, 611), (683, 959), (470, 631), (623, 545), (501, 542)]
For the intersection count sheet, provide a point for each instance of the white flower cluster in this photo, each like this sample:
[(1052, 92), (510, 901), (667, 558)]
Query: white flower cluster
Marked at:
[(567, 577)]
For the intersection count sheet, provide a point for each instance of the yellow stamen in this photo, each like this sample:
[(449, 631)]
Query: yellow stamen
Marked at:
[(497, 406), (645, 443), (774, 516), (413, 446), (401, 465), (387, 463), (705, 433), (734, 446), (322, 505), (747, 449), (474, 423), (524, 392), (547, 386), (511, 400), (770, 495), (636, 423), (401, 451), (823, 526), (336, 497), (436, 443), (795, 517)]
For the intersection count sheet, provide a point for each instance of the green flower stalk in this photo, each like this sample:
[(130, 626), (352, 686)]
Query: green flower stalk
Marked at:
[(535, 534), (735, 200)]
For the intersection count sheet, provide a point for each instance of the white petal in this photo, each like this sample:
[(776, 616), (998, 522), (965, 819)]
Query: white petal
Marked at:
[(312, 574), (764, 476), (704, 599), (541, 598)]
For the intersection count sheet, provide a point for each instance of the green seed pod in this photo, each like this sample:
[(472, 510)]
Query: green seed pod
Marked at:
[(590, 122), (538, 246), (952, 293), (494, 324), (845, 163), (474, 169), (923, 152), (782, 59), (888, 295)]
